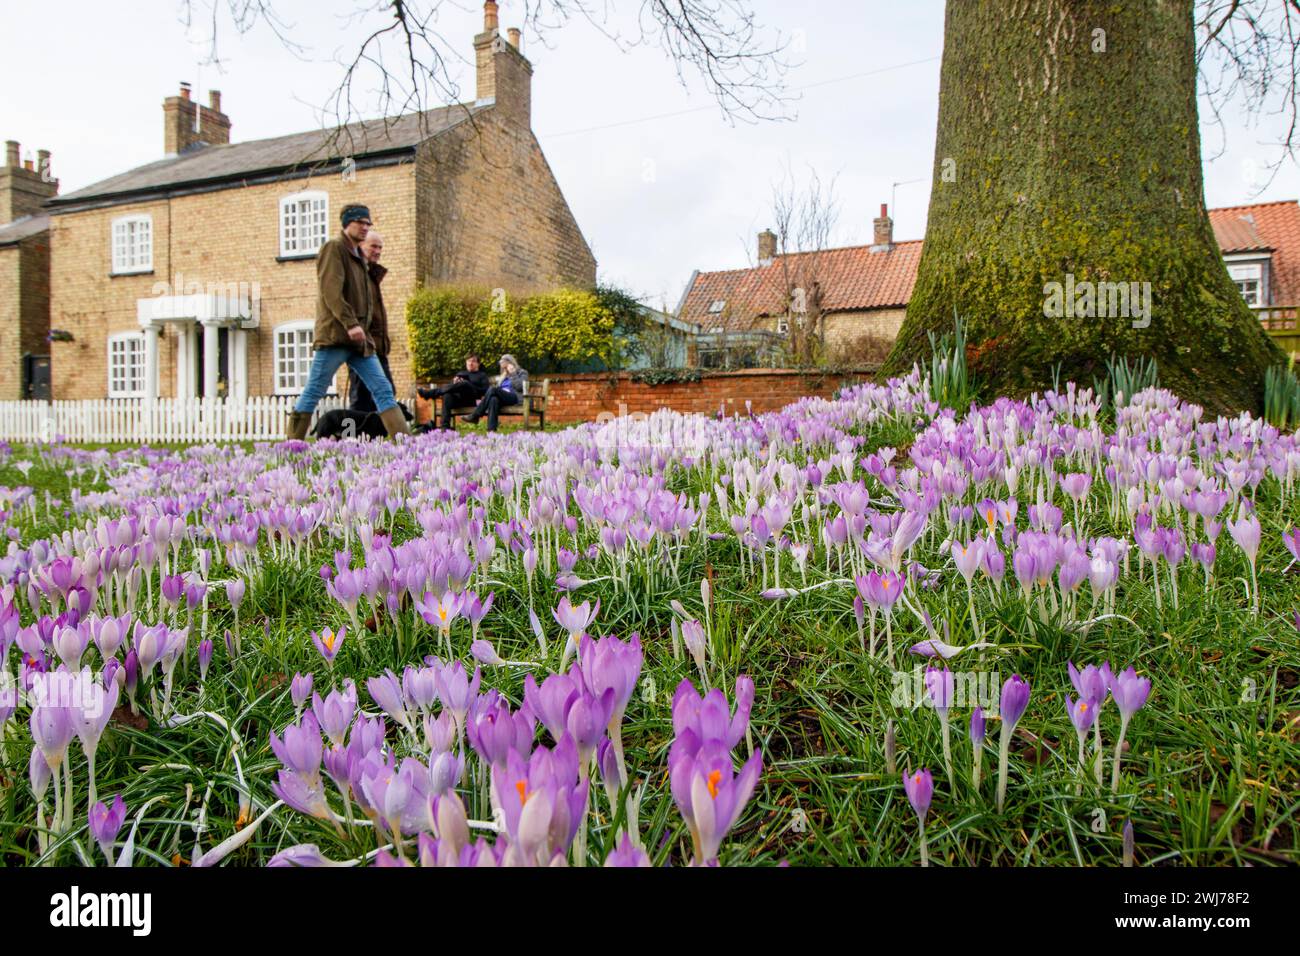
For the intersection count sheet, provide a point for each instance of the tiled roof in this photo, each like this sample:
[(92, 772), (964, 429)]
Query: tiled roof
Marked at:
[(1270, 225), (24, 228), (850, 279), (856, 278), (261, 156)]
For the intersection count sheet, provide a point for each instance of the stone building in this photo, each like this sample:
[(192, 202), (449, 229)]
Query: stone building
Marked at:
[(24, 274), (195, 275)]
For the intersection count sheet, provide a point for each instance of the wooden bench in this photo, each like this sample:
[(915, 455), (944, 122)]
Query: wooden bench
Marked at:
[(532, 405)]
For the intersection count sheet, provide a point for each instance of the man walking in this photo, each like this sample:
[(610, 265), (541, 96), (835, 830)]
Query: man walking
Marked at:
[(344, 311), (359, 397), (464, 390)]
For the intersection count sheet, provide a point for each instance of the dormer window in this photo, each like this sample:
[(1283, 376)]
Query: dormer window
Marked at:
[(304, 224), (1250, 278), (717, 306)]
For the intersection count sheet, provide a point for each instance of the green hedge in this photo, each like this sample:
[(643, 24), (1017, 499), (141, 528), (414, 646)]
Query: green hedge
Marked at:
[(543, 331)]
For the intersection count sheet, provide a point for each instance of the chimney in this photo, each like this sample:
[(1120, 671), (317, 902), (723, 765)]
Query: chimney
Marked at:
[(884, 231), (766, 247), (503, 75), (24, 185), (180, 114)]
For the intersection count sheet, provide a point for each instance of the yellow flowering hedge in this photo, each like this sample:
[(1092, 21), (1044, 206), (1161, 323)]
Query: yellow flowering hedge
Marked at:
[(543, 331)]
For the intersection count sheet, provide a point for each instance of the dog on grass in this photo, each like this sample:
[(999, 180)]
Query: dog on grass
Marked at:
[(350, 423)]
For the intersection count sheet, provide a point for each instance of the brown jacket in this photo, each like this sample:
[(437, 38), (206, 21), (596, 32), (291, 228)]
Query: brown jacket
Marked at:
[(379, 320), (344, 298)]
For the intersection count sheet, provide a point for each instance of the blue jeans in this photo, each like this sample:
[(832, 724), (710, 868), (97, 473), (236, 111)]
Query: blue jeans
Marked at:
[(359, 397), (327, 361)]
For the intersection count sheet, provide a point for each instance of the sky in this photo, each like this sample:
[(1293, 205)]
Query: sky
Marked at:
[(661, 182)]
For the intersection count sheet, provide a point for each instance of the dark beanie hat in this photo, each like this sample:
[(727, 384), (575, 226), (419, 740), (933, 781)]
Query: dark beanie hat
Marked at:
[(353, 213)]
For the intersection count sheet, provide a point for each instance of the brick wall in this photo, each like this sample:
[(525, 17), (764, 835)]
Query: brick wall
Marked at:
[(10, 326), (24, 309), (491, 212), (578, 398)]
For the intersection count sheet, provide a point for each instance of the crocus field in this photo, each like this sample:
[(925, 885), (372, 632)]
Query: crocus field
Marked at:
[(863, 631)]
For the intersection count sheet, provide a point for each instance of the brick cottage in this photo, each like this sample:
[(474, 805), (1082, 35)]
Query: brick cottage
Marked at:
[(195, 275)]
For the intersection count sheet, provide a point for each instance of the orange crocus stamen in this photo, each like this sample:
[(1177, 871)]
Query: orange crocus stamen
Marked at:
[(522, 787), (714, 777)]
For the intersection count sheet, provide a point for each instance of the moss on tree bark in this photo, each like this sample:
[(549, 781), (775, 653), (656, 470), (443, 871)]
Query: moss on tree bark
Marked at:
[(1065, 150)]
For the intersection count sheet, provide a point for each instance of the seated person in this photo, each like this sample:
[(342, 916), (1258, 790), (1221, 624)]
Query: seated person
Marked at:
[(508, 390), (466, 388)]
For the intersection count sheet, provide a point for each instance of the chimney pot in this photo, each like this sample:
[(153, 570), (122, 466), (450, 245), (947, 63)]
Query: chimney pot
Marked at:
[(11, 152), (490, 20), (513, 34), (214, 100), (884, 230), (185, 90)]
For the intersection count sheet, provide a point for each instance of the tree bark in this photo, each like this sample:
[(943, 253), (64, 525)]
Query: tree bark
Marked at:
[(1066, 151)]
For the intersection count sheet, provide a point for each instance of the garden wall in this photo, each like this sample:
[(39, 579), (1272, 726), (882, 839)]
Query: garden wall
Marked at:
[(583, 397)]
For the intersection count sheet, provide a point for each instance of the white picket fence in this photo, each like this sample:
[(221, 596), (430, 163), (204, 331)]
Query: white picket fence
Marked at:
[(262, 418)]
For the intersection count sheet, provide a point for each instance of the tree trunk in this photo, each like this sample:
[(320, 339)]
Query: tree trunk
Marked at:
[(1064, 151)]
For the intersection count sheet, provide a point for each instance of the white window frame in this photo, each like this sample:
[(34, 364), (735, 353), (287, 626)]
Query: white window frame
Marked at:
[(782, 325), (131, 246), (280, 355), (294, 242), (126, 350), (1249, 279)]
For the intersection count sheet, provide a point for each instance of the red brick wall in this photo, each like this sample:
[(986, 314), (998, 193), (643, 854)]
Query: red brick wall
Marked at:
[(578, 398)]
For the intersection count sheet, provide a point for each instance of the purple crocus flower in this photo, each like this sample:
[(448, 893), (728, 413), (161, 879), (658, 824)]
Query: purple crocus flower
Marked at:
[(483, 652), (173, 588), (550, 702), (627, 854), (940, 687), (301, 749), (588, 717), (456, 690), (494, 731), (329, 643), (105, 823), (611, 665), (1130, 692), (334, 714), (300, 690), (698, 720), (709, 794), (919, 787), (1091, 683), (205, 658), (1015, 698)]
